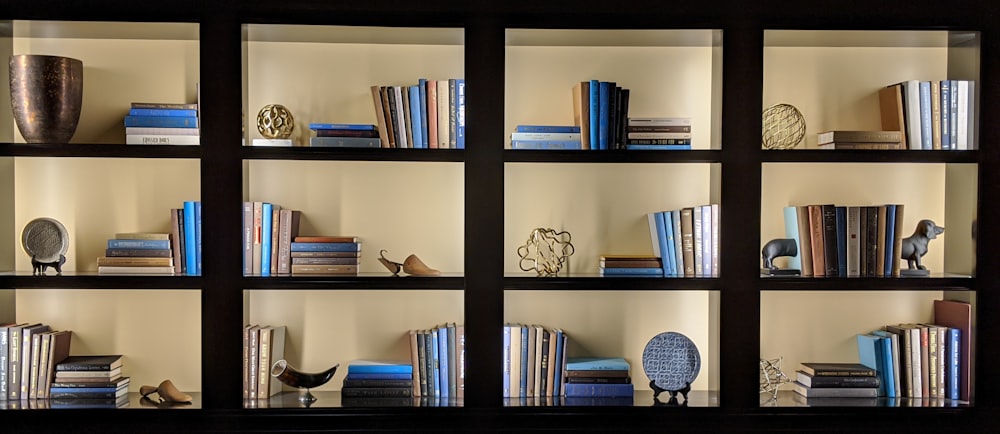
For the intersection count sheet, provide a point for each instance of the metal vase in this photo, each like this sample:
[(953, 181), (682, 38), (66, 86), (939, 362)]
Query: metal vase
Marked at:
[(46, 93)]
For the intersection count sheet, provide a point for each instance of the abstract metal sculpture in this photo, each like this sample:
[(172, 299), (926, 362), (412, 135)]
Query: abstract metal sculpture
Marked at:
[(782, 127), (274, 121), (771, 377), (546, 251)]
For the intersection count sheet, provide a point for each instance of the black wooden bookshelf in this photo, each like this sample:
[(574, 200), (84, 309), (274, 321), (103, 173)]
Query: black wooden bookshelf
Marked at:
[(739, 284)]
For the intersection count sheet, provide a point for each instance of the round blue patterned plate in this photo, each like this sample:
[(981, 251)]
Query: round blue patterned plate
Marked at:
[(671, 361)]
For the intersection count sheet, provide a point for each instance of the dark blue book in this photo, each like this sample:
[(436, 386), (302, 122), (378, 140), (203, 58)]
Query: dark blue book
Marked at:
[(424, 132), (162, 112), (523, 381), (636, 271), (953, 359), (326, 247), (442, 351), (595, 114), (598, 401), (345, 142), (842, 242), (162, 121), (604, 119), (190, 238), (557, 363), (139, 244), (460, 113), (545, 144), (641, 147), (890, 237), (574, 390), (379, 367), (325, 126), (378, 376), (547, 129)]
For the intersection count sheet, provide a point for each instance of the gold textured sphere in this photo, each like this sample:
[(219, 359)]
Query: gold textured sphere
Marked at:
[(274, 121), (782, 127)]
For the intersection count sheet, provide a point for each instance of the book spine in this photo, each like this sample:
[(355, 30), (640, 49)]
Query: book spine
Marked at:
[(376, 392), (657, 147), (325, 247), (432, 115), (926, 129), (687, 241), (595, 114), (830, 253), (669, 258), (152, 139), (416, 116), (163, 112), (506, 361), (460, 115), (379, 369), (816, 238), (162, 121), (389, 113), (664, 250), (581, 111), (424, 121), (853, 246), (164, 106), (604, 114), (547, 129), (706, 240), (353, 383), (546, 144), (453, 113), (697, 234), (139, 244), (190, 239), (598, 389), (678, 248), (953, 351), (442, 358), (443, 99), (267, 210), (4, 351), (945, 86), (341, 126), (841, 240)]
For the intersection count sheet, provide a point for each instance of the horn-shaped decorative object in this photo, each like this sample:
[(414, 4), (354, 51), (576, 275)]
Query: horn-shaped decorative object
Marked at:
[(302, 380)]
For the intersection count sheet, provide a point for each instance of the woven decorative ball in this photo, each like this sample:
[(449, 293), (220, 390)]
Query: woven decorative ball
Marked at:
[(782, 127), (274, 121)]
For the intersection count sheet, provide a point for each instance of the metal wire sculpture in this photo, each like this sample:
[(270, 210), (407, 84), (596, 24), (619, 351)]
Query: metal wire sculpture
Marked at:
[(546, 251), (782, 127), (771, 377), (274, 121)]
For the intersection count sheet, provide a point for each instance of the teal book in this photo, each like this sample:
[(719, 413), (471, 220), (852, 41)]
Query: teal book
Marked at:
[(661, 238), (792, 231), (379, 367), (596, 364), (265, 240), (162, 121), (871, 353), (416, 117), (139, 244)]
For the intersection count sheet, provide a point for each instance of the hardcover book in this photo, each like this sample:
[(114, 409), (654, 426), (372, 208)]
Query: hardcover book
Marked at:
[(379, 367), (90, 363), (596, 364), (834, 392), (837, 369)]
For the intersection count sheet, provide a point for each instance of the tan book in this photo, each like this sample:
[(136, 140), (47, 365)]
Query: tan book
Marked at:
[(805, 240), (414, 361), (407, 115), (935, 114), (890, 99), (134, 261), (379, 117), (58, 350), (176, 216), (142, 236), (135, 269), (94, 375), (324, 269), (432, 117), (880, 240), (36, 360), (326, 239), (390, 121), (275, 230), (443, 132), (816, 239), (264, 355), (581, 111), (402, 130), (288, 227)]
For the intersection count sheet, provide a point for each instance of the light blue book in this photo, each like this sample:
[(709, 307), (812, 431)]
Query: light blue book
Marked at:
[(792, 231), (669, 258), (265, 240), (506, 361), (139, 244), (675, 215), (631, 272), (871, 354), (435, 363), (557, 363), (197, 236), (890, 237), (162, 121), (442, 341), (596, 364), (661, 239), (190, 238), (416, 117), (547, 129), (379, 367)]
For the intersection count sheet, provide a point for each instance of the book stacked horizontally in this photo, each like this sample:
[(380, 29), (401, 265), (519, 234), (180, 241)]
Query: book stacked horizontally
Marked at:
[(94, 380), (162, 124), (658, 133), (335, 254), (855, 382), (345, 135), (138, 253), (686, 240), (262, 347), (630, 266), (376, 382), (28, 356), (598, 381), (860, 140), (546, 137), (437, 356)]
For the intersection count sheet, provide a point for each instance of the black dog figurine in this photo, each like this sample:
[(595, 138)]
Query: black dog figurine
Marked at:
[(915, 246)]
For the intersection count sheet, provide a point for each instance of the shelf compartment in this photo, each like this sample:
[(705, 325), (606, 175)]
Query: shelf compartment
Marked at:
[(671, 73), (124, 62), (619, 323), (932, 283)]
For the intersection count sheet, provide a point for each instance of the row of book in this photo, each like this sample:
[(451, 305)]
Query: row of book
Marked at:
[(272, 245), (437, 361), (29, 353), (139, 253), (931, 114), (162, 124), (534, 361), (262, 347), (427, 115), (845, 241), (600, 109), (686, 240)]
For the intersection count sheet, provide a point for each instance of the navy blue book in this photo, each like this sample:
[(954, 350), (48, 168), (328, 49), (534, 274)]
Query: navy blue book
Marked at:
[(379, 367), (604, 116), (637, 271), (547, 129), (890, 237), (139, 244), (162, 121), (599, 389), (326, 247), (324, 126)]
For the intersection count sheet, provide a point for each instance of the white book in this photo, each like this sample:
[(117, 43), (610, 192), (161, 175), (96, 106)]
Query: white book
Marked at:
[(272, 142), (545, 136), (161, 139), (971, 131), (678, 243), (515, 360), (444, 102), (962, 116), (853, 242), (653, 235), (698, 246), (660, 121), (655, 135), (716, 226), (911, 98), (706, 240)]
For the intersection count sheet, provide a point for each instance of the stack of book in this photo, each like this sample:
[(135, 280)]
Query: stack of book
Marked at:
[(845, 241), (378, 382), (598, 381), (268, 232), (658, 133), (631, 266), (534, 362), (28, 356), (427, 115), (600, 109), (162, 124), (138, 253), (336, 254), (437, 357), (686, 240), (90, 380), (815, 381), (345, 135), (546, 137), (860, 140), (262, 347), (931, 115)]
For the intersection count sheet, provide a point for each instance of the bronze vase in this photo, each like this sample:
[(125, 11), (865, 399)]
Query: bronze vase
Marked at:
[(46, 93)]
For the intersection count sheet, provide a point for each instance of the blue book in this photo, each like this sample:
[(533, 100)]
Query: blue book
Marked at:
[(595, 114), (139, 244), (661, 239), (435, 363), (190, 239), (442, 333), (792, 231), (870, 354), (162, 112), (265, 240), (953, 351), (945, 86), (557, 363), (415, 117), (162, 121), (506, 361), (671, 255), (378, 376), (926, 131), (326, 126), (596, 364), (890, 236), (604, 120), (422, 90), (577, 390), (547, 129), (632, 271), (197, 236), (429, 364), (523, 392), (379, 367), (546, 144), (460, 113), (842, 241), (326, 247), (641, 147)]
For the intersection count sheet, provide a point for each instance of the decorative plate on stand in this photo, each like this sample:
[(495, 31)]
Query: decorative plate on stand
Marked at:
[(671, 361), (45, 239)]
